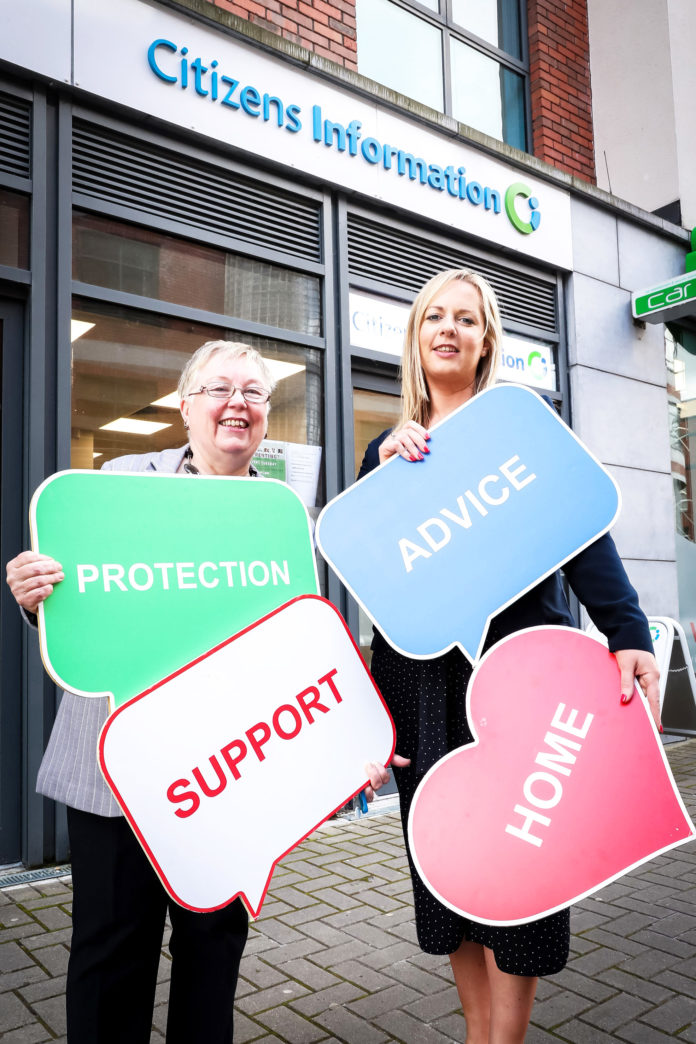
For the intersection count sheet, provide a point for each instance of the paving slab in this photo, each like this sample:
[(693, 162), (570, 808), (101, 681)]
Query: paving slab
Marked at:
[(333, 956)]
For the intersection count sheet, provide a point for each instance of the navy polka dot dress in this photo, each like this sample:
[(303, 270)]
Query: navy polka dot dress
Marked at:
[(427, 700)]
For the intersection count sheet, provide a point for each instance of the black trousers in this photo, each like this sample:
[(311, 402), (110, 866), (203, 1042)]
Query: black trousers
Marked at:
[(119, 909)]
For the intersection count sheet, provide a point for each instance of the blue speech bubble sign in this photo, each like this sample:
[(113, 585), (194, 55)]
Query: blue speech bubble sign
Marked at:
[(433, 550)]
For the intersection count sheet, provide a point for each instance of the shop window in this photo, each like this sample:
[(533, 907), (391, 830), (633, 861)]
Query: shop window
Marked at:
[(465, 59), (486, 95), (681, 390), (141, 261), (14, 229), (388, 39), (373, 412), (495, 22), (125, 368)]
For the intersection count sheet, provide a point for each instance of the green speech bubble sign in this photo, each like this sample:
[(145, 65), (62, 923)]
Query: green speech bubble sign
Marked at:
[(158, 569)]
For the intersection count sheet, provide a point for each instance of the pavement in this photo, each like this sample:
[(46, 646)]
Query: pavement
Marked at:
[(333, 955)]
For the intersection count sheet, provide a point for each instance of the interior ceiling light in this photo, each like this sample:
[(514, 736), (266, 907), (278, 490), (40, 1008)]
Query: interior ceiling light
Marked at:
[(278, 368), (169, 402), (281, 370), (78, 328), (131, 426)]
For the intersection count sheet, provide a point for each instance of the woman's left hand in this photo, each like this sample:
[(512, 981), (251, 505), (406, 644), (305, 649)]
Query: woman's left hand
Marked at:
[(637, 665), (379, 775)]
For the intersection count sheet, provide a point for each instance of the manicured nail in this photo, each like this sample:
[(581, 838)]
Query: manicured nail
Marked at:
[(661, 729), (426, 450), (421, 457), (625, 698), (411, 457)]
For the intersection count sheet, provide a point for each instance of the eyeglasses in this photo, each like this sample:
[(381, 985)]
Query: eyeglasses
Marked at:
[(220, 390)]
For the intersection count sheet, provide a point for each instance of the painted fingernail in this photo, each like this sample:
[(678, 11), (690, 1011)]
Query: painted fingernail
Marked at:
[(426, 450), (661, 729), (421, 457), (411, 457), (624, 697)]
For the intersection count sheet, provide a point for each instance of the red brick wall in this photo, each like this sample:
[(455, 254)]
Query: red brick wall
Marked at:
[(560, 85), (326, 27)]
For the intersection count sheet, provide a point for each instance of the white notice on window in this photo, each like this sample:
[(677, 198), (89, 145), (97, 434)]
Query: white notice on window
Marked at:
[(291, 462)]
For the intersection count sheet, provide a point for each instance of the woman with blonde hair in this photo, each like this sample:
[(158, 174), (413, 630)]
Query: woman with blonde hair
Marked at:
[(452, 352)]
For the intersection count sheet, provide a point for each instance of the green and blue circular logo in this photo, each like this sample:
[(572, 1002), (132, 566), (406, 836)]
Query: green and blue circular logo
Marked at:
[(521, 191), (536, 364)]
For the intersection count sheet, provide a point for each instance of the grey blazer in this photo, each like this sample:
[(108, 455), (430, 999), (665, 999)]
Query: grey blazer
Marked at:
[(69, 771)]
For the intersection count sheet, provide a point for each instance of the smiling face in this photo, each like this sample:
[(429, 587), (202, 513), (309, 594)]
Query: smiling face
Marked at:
[(452, 338), (225, 434)]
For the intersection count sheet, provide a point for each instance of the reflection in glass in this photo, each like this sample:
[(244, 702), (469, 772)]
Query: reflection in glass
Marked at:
[(495, 21), (373, 413), (14, 229), (125, 362), (140, 261), (400, 50), (681, 391), (486, 95)]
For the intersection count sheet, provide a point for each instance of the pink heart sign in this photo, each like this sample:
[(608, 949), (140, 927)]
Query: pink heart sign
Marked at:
[(564, 789)]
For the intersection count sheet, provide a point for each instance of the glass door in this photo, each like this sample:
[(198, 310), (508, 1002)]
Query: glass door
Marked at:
[(374, 411), (10, 545), (376, 407)]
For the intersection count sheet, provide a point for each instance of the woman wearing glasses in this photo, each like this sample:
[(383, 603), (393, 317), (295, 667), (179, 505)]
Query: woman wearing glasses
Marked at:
[(119, 905)]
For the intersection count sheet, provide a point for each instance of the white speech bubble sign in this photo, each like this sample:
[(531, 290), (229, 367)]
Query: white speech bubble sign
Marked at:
[(229, 763)]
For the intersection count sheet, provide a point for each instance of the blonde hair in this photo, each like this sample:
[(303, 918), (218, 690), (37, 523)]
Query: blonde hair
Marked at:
[(228, 350), (415, 398)]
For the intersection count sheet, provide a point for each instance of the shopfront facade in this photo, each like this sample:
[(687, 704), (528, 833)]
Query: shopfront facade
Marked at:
[(165, 181)]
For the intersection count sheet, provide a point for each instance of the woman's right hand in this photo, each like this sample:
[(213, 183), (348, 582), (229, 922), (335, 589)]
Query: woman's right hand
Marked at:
[(31, 578), (409, 442)]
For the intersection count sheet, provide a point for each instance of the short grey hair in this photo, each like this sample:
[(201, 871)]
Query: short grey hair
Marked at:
[(228, 350)]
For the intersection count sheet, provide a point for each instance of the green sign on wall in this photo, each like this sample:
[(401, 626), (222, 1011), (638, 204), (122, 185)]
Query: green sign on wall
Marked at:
[(667, 301), (673, 299)]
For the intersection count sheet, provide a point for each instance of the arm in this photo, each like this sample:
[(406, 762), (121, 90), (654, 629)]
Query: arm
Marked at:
[(599, 579)]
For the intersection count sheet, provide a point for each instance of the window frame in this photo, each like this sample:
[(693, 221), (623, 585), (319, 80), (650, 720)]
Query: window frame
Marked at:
[(449, 29)]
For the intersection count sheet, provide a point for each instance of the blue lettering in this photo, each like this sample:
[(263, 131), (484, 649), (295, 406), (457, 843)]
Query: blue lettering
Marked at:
[(474, 192), (405, 159), (199, 71), (388, 155), (491, 198), (343, 137), (233, 85), (512, 363), (371, 150), (436, 177), (353, 133), (451, 181), (267, 102), (316, 123), (152, 61), (331, 129), (249, 98), (292, 115)]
